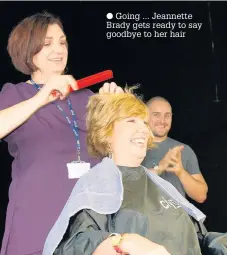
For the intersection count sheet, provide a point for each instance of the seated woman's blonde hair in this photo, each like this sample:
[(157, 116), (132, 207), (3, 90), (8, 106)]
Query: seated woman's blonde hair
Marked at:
[(103, 110)]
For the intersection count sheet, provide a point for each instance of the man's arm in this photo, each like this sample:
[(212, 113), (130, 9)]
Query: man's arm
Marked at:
[(194, 185), (190, 176)]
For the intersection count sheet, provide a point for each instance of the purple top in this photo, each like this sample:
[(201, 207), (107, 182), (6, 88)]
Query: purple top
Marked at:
[(40, 187)]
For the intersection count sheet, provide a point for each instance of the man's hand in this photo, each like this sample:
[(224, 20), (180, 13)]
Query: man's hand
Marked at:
[(175, 163), (172, 161), (194, 185)]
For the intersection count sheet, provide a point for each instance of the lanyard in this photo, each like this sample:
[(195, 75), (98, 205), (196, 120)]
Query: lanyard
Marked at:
[(73, 123)]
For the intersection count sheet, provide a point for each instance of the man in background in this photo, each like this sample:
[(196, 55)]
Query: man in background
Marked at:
[(172, 160)]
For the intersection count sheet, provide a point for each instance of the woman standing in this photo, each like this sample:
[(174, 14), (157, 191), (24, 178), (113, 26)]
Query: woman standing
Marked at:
[(44, 132)]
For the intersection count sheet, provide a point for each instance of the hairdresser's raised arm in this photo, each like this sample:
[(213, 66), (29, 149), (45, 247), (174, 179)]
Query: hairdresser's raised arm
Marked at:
[(14, 116)]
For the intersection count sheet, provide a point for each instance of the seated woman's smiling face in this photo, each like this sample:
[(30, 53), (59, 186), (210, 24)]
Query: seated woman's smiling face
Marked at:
[(117, 125), (129, 139)]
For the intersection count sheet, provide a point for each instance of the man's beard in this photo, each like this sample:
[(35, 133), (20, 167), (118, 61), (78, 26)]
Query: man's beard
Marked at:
[(160, 135)]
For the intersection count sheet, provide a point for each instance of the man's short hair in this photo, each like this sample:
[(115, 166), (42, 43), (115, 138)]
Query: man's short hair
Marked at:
[(157, 98)]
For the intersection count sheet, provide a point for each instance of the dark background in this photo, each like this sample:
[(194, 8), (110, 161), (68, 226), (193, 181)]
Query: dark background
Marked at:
[(184, 70)]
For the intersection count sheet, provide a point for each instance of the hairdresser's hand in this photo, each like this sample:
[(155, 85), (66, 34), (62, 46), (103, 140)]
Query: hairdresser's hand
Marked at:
[(56, 87), (110, 88)]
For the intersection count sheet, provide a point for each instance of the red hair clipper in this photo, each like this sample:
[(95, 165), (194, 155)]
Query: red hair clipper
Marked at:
[(91, 80)]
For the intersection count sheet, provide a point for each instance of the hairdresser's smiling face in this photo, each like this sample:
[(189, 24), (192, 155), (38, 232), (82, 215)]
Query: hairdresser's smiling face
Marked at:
[(52, 58), (130, 138)]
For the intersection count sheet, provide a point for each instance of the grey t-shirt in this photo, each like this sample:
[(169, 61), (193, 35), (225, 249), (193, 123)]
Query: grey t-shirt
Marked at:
[(189, 160)]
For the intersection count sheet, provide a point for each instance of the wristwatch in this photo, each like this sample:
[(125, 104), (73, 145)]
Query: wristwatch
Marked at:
[(116, 240), (157, 169)]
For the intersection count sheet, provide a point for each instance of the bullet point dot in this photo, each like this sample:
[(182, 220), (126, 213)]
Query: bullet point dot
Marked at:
[(109, 15)]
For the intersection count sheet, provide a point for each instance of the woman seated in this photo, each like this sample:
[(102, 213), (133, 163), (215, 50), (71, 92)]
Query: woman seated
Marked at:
[(116, 208)]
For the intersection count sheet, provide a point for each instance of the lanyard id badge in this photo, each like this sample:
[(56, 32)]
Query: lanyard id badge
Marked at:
[(76, 168)]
